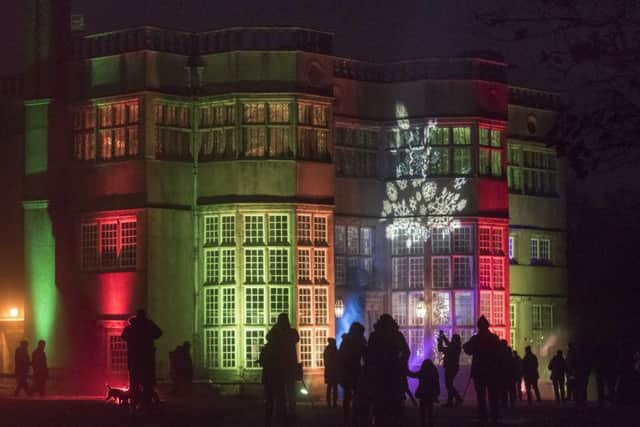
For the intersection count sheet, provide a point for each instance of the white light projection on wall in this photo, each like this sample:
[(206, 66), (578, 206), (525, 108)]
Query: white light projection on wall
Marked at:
[(417, 202)]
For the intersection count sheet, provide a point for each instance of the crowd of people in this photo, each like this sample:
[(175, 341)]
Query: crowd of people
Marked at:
[(373, 373)]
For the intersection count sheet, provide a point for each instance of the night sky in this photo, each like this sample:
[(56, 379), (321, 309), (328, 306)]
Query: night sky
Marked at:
[(602, 207)]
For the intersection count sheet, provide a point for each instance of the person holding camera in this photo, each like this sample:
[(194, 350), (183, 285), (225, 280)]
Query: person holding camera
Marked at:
[(451, 362)]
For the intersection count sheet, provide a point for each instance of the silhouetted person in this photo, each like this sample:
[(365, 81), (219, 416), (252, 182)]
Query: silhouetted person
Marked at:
[(284, 339), (451, 363), (428, 390), (331, 371), (558, 368), (572, 366), (40, 368), (583, 371), (174, 368), (605, 360), (484, 347), (140, 336), (353, 349), (185, 367), (517, 374), (272, 382), (507, 386), (21, 368), (530, 374), (386, 360)]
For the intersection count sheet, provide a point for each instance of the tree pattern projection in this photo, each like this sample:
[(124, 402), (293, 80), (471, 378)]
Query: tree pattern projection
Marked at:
[(416, 202)]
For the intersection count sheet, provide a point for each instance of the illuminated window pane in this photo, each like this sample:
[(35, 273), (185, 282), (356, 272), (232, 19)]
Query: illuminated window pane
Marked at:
[(228, 265), (304, 228), (365, 241), (320, 229), (399, 307), (89, 246), (321, 335), (496, 137), (319, 115), (464, 309), (498, 273), (211, 306), (352, 240), (321, 305), (117, 354), (254, 229), (485, 305), (211, 230), (485, 162), (340, 239), (439, 136), (254, 305), (228, 229), (545, 249), (483, 136), (485, 272), (498, 308), (440, 272), (128, 243), (440, 240), (462, 136), (416, 342), (402, 243), (496, 163), (278, 229), (254, 265), (304, 306), (341, 271), (106, 115), (228, 306), (414, 299), (305, 113), (279, 113), (512, 316), (320, 265), (119, 143), (109, 244), (211, 263), (211, 349), (279, 265), (228, 348), (306, 347), (253, 343), (399, 272), (485, 240), (255, 140), (441, 308), (462, 272), (547, 317), (279, 142), (416, 273), (462, 161), (253, 113), (462, 239), (106, 144), (279, 302), (439, 161), (511, 247), (536, 317), (304, 265)]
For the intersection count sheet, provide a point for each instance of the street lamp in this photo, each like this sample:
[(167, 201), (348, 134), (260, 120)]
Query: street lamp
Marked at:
[(421, 309), (339, 308), (13, 312)]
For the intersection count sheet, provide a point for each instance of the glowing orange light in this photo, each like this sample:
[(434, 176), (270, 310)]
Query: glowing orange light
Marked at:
[(13, 312)]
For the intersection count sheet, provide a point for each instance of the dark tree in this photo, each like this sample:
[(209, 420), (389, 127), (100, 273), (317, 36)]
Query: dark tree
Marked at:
[(591, 51)]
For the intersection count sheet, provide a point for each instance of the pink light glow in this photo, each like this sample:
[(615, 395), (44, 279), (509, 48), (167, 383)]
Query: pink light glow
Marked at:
[(116, 293)]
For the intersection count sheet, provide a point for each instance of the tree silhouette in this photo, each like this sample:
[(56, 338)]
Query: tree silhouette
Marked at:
[(592, 50)]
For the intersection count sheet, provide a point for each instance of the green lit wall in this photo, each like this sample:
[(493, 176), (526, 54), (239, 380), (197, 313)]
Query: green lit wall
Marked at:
[(42, 295)]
